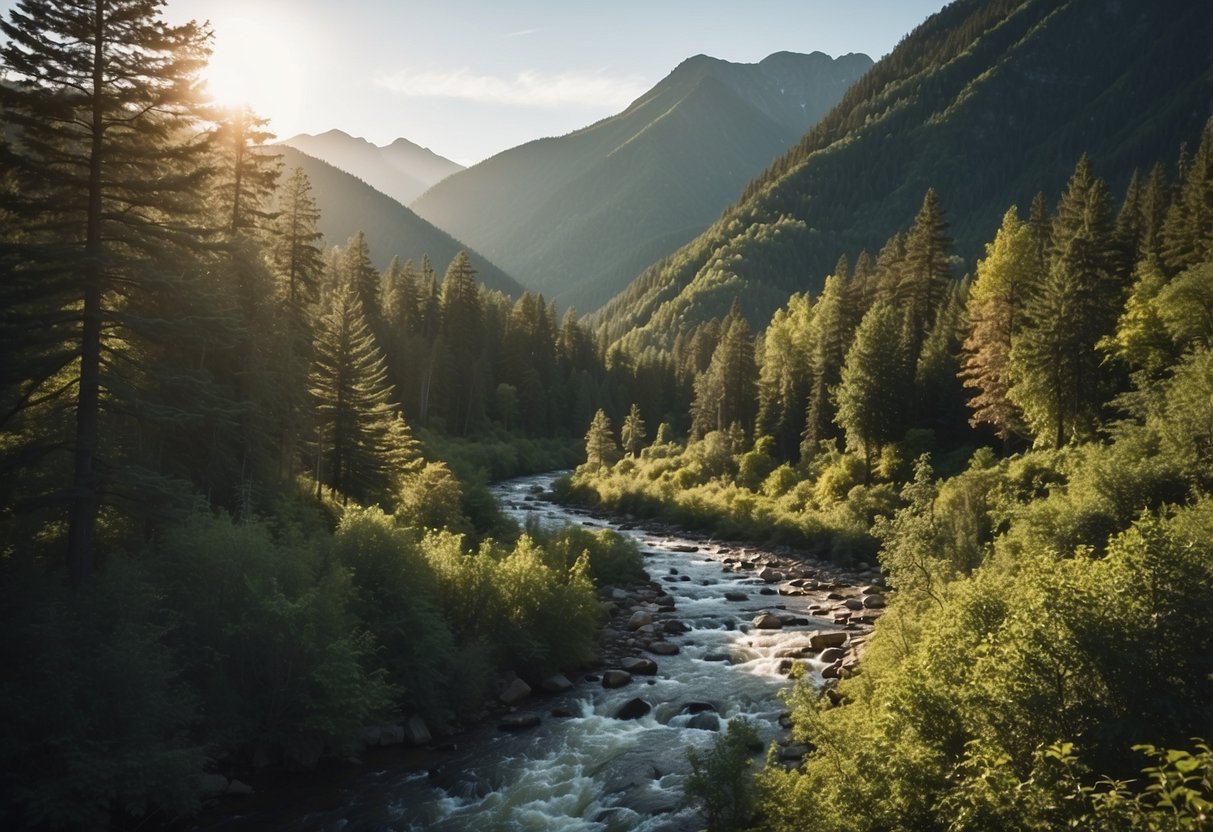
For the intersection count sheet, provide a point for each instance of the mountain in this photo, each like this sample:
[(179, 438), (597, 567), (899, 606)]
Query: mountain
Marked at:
[(402, 170), (348, 205), (989, 102), (577, 217)]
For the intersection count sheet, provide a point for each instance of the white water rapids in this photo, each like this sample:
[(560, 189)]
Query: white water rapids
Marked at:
[(591, 771)]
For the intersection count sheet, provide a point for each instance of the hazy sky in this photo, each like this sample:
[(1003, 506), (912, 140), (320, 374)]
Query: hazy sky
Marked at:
[(469, 78)]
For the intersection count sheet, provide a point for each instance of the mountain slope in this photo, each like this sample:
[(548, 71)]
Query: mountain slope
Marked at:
[(989, 102), (576, 217), (402, 170), (348, 205)]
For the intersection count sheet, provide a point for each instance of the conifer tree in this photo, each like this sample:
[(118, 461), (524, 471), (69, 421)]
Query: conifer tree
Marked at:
[(359, 438), (725, 392), (831, 330), (600, 448), (1188, 228), (785, 375), (462, 331), (875, 385), (357, 268), (925, 272), (107, 169), (633, 432), (297, 257), (995, 309), (245, 172)]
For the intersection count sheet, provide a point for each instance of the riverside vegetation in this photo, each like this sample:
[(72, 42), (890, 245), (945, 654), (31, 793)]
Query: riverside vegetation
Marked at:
[(243, 515)]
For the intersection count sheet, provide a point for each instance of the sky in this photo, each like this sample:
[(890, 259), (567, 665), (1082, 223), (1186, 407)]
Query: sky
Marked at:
[(470, 78)]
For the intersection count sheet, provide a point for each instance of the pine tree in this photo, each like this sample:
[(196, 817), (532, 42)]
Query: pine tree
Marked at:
[(725, 392), (785, 375), (357, 436), (358, 268), (875, 385), (245, 172), (600, 448), (107, 167), (297, 257), (1005, 278), (1188, 228), (831, 331), (633, 433), (925, 273)]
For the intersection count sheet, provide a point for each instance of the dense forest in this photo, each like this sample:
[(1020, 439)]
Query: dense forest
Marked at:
[(1027, 456), (244, 513)]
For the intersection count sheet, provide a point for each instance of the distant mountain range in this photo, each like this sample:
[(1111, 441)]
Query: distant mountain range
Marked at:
[(402, 170), (348, 205), (989, 101), (577, 217)]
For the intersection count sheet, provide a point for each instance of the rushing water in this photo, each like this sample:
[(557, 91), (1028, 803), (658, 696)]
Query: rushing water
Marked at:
[(591, 771)]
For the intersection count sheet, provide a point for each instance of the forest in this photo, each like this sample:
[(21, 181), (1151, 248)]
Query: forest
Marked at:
[(244, 512)]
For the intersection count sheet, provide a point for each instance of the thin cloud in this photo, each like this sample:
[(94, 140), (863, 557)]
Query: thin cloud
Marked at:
[(522, 33), (526, 89)]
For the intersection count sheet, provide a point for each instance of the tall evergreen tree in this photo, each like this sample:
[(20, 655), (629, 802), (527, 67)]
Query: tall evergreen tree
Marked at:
[(358, 436), (633, 433), (785, 375), (830, 333), (107, 165), (925, 273), (297, 257), (875, 387), (462, 330), (1005, 278), (725, 392), (600, 447)]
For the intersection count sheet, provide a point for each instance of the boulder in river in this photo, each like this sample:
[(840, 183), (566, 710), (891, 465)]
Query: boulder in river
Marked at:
[(515, 692), (675, 627), (557, 683), (874, 601), (766, 621), (733, 595), (705, 721), (853, 604), (820, 641), (665, 602), (633, 709), (771, 576), (615, 678), (638, 666), (663, 648), (639, 619), (831, 655), (683, 547)]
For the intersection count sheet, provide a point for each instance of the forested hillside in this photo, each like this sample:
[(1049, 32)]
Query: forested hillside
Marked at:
[(987, 102), (1026, 454), (581, 214), (349, 205)]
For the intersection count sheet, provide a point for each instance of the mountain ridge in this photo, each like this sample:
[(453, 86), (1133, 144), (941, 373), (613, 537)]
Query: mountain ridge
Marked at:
[(565, 213), (349, 205)]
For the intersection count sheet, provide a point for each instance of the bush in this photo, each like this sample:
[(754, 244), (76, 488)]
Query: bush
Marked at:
[(720, 783)]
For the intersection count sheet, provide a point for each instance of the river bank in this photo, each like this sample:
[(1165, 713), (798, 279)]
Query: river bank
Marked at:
[(711, 637)]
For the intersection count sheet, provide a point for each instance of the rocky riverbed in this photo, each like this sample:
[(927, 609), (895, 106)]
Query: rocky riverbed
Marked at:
[(711, 637)]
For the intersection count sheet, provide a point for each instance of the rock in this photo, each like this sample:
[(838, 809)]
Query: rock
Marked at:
[(617, 594), (415, 731), (616, 678), (394, 734), (716, 657), (853, 604), (733, 595), (211, 785), (771, 576), (638, 666), (832, 672), (704, 721), (683, 547), (766, 590), (675, 627), (665, 602), (872, 589), (697, 707), (518, 722), (514, 692), (558, 683), (639, 619), (302, 753), (563, 712), (766, 621), (796, 751), (820, 641), (663, 648), (237, 787), (372, 734), (633, 709), (831, 655), (874, 601)]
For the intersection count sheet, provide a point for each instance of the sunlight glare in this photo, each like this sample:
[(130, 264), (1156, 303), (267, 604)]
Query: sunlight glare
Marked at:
[(253, 65)]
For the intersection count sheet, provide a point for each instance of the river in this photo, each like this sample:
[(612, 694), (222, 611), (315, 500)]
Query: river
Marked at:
[(587, 770)]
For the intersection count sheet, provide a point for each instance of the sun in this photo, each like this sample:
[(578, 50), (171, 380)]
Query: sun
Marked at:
[(253, 65)]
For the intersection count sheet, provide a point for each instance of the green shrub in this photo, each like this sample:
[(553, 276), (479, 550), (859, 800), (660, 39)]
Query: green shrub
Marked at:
[(720, 782)]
